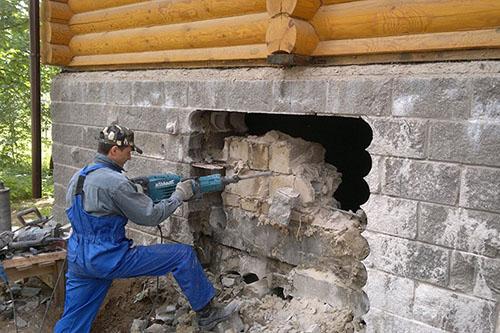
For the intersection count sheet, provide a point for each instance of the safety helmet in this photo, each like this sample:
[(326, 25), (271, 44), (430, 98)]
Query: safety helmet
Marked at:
[(118, 135)]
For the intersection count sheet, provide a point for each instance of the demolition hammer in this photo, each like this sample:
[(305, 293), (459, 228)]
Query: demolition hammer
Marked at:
[(160, 187)]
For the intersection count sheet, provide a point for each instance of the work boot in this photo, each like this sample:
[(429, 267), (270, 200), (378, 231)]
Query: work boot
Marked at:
[(211, 315)]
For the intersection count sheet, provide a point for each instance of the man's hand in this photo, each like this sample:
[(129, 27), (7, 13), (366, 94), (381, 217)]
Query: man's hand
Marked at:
[(184, 190)]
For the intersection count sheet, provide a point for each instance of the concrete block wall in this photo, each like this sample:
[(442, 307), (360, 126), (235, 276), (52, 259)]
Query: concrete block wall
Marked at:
[(434, 210)]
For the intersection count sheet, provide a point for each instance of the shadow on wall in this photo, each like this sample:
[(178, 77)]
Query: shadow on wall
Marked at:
[(345, 140)]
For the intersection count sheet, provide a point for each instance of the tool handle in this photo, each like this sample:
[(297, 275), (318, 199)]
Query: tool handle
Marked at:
[(20, 215)]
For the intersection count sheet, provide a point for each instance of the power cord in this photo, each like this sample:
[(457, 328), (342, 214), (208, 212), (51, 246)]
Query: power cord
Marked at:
[(157, 285), (5, 279), (49, 303)]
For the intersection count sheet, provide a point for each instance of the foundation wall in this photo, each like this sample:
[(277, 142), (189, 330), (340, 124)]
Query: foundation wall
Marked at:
[(434, 209)]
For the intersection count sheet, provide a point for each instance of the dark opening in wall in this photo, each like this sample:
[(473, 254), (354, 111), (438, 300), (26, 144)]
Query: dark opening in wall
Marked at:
[(345, 140)]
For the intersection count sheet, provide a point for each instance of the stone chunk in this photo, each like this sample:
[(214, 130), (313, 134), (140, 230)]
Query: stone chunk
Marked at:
[(283, 201), (258, 156), (230, 199), (238, 149), (252, 188), (326, 287)]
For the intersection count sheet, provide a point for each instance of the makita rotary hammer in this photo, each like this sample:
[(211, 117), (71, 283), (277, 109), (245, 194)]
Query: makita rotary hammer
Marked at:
[(160, 187)]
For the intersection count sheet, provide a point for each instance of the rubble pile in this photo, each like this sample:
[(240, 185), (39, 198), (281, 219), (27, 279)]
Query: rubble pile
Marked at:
[(262, 309)]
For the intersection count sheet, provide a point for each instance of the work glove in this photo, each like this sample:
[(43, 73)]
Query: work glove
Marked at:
[(184, 190)]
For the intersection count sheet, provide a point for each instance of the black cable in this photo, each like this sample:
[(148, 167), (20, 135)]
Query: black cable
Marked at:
[(13, 304), (157, 285), (52, 295)]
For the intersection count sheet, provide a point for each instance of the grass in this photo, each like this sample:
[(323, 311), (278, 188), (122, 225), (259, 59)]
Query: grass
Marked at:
[(17, 177)]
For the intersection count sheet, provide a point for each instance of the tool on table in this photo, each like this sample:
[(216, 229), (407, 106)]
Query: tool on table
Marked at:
[(160, 187)]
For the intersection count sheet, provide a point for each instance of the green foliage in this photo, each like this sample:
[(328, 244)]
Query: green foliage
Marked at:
[(15, 112)]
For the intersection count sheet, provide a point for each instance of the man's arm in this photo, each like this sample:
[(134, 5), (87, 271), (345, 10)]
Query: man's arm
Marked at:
[(140, 209)]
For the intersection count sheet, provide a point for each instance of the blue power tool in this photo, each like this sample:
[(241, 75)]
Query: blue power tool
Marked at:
[(160, 187)]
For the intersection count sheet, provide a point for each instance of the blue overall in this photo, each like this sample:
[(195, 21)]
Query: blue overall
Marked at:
[(99, 252)]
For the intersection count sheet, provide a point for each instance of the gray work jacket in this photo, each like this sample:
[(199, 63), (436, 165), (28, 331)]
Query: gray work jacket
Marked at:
[(108, 192)]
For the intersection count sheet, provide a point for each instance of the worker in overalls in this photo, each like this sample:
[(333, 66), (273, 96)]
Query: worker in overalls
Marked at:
[(101, 200)]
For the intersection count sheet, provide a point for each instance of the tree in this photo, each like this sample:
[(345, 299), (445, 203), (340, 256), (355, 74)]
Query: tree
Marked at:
[(15, 113)]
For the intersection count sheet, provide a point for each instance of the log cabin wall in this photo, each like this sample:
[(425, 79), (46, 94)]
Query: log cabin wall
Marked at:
[(131, 33)]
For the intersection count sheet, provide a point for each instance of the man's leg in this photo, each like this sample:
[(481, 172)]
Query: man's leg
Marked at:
[(161, 259), (84, 297)]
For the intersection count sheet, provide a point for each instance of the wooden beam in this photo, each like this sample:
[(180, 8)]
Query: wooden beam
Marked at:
[(54, 54), (290, 35), (412, 43), (303, 9), (242, 52), (238, 30), (331, 2), (34, 259), (56, 12), (80, 6), (162, 12), (379, 18), (56, 33)]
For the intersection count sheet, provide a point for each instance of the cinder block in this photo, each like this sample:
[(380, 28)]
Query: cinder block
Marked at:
[(305, 190), (63, 173), (390, 293), (175, 94), (203, 94), (480, 189), (251, 95), (373, 178), (118, 93), (392, 216), (251, 205), (252, 188), (453, 312), (148, 93), (303, 97), (60, 194), (407, 258), (378, 321), (81, 114), (160, 146), (429, 181), (441, 98), (244, 231), (475, 275), (472, 143), (289, 153), (283, 201), (462, 229), (230, 199), (178, 229), (59, 212), (95, 92), (276, 182), (239, 149), (359, 96), (485, 98), (326, 287), (398, 137), (72, 156), (70, 135), (258, 155)]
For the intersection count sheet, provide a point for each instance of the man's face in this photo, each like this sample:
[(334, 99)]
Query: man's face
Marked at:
[(120, 156)]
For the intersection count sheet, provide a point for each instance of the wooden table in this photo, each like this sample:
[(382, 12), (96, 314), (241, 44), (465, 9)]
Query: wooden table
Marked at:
[(47, 266)]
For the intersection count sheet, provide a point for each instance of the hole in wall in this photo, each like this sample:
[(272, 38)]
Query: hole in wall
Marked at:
[(250, 278), (345, 140)]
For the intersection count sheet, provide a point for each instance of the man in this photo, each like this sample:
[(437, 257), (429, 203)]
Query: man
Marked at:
[(101, 200)]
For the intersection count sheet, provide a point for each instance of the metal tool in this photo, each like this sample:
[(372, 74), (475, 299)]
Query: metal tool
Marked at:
[(160, 187), (5, 220)]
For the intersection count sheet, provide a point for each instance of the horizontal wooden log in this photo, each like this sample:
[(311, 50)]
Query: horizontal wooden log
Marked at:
[(56, 33), (413, 43), (303, 9), (290, 35), (231, 31), (331, 2), (80, 6), (61, 1), (379, 18), (162, 12), (56, 12), (54, 54), (242, 52)]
